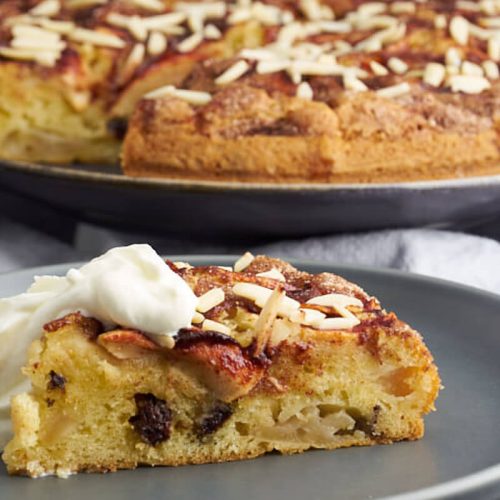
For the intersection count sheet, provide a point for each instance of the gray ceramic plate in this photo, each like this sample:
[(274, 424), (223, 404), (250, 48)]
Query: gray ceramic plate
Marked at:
[(217, 209), (459, 456)]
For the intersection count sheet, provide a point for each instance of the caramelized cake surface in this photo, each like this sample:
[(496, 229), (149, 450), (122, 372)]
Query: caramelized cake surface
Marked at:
[(272, 91)]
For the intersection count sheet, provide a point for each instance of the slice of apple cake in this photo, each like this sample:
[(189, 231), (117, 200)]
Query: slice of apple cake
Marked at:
[(272, 359)]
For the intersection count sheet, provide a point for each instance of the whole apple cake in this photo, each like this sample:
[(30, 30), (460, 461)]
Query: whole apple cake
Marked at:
[(250, 90)]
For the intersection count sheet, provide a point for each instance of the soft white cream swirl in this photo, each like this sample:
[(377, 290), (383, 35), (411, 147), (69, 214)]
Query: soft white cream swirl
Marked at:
[(127, 286)]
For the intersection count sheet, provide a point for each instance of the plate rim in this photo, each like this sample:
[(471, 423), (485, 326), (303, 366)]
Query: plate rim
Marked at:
[(67, 172), (476, 481)]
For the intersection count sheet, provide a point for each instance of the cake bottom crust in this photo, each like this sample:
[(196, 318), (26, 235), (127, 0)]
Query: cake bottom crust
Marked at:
[(310, 160)]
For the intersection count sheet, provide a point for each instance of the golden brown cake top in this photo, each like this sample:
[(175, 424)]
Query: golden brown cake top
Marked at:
[(308, 48), (322, 302), (246, 315), (234, 302)]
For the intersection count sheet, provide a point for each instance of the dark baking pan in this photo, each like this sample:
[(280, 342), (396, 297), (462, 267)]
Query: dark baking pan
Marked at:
[(240, 210)]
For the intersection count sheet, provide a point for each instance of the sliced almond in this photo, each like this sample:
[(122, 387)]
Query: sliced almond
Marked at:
[(378, 69), (440, 21), (260, 54), (434, 74), (269, 15), (264, 325), (97, 38), (34, 44), (342, 47), (233, 73), (375, 22), (166, 341), (251, 291), (272, 66), (334, 27), (468, 5), (273, 273), (314, 68), (393, 33), (212, 32), (403, 7), (490, 22), (134, 24), (491, 70), (157, 43), (182, 265), (260, 295), (350, 82), (239, 15), (489, 7), (307, 316), (369, 9), (453, 57), (134, 60), (44, 58), (62, 27), (210, 299), (494, 49), (243, 262), (478, 32), (215, 326), (82, 4), (311, 9), (164, 20), (459, 29), (289, 34), (468, 84), (370, 44), (203, 9), (195, 22), (190, 43), (336, 323), (34, 32), (397, 65), (153, 5), (46, 8), (304, 91), (469, 68), (335, 300), (395, 90), (194, 97), (197, 318)]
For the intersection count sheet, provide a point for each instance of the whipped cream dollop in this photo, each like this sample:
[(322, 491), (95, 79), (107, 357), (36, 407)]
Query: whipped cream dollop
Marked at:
[(127, 286)]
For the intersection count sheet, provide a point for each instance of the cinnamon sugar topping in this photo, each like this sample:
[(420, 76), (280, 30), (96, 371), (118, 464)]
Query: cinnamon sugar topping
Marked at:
[(302, 42)]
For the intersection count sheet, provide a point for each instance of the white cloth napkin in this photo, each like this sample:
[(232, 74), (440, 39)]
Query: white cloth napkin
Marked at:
[(459, 257)]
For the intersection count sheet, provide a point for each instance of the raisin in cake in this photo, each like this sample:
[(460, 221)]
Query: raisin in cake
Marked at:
[(275, 359)]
